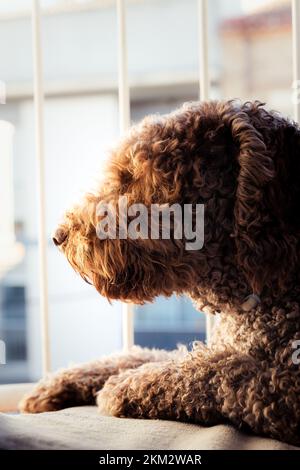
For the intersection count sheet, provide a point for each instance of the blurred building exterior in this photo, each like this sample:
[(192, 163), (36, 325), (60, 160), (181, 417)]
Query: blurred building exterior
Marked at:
[(256, 57), (81, 122)]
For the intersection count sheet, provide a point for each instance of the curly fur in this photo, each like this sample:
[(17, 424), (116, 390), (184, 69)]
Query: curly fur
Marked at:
[(243, 163)]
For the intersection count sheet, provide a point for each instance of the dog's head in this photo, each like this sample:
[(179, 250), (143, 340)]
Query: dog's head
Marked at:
[(226, 156)]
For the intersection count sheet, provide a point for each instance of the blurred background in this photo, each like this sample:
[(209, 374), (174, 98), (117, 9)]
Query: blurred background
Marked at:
[(250, 44)]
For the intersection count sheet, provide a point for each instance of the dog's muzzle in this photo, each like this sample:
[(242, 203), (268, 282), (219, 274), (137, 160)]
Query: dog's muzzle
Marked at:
[(60, 236)]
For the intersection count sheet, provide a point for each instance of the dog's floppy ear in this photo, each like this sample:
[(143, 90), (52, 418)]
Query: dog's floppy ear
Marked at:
[(263, 248)]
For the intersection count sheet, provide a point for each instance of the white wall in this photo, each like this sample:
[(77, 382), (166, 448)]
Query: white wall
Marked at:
[(6, 184)]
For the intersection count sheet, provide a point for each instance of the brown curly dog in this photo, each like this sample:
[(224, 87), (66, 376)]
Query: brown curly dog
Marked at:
[(243, 163)]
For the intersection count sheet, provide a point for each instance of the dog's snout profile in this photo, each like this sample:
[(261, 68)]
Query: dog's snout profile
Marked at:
[(60, 236)]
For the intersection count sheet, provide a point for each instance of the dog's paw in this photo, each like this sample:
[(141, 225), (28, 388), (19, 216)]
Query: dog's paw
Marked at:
[(111, 400), (133, 393), (47, 395)]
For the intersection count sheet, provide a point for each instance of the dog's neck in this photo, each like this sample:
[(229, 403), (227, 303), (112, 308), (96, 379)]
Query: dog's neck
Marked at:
[(266, 303), (267, 330)]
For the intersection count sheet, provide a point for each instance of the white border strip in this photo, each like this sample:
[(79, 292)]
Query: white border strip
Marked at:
[(124, 113), (41, 196)]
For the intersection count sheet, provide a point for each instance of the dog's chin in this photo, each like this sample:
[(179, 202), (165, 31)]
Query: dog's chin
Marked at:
[(112, 291), (112, 288)]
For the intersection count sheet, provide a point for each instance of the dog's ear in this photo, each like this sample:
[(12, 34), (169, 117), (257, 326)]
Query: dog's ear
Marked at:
[(264, 249)]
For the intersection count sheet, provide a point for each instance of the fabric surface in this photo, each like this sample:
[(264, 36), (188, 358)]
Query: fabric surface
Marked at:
[(85, 428)]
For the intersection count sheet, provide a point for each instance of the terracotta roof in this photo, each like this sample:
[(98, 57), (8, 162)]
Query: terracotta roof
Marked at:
[(261, 20)]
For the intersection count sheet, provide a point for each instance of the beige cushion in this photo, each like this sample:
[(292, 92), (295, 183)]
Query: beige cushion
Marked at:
[(84, 428)]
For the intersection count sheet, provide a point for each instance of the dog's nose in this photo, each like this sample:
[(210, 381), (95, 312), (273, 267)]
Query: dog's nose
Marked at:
[(60, 236)]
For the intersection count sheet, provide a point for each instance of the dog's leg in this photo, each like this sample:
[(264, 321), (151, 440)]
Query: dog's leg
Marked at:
[(209, 388), (79, 385)]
